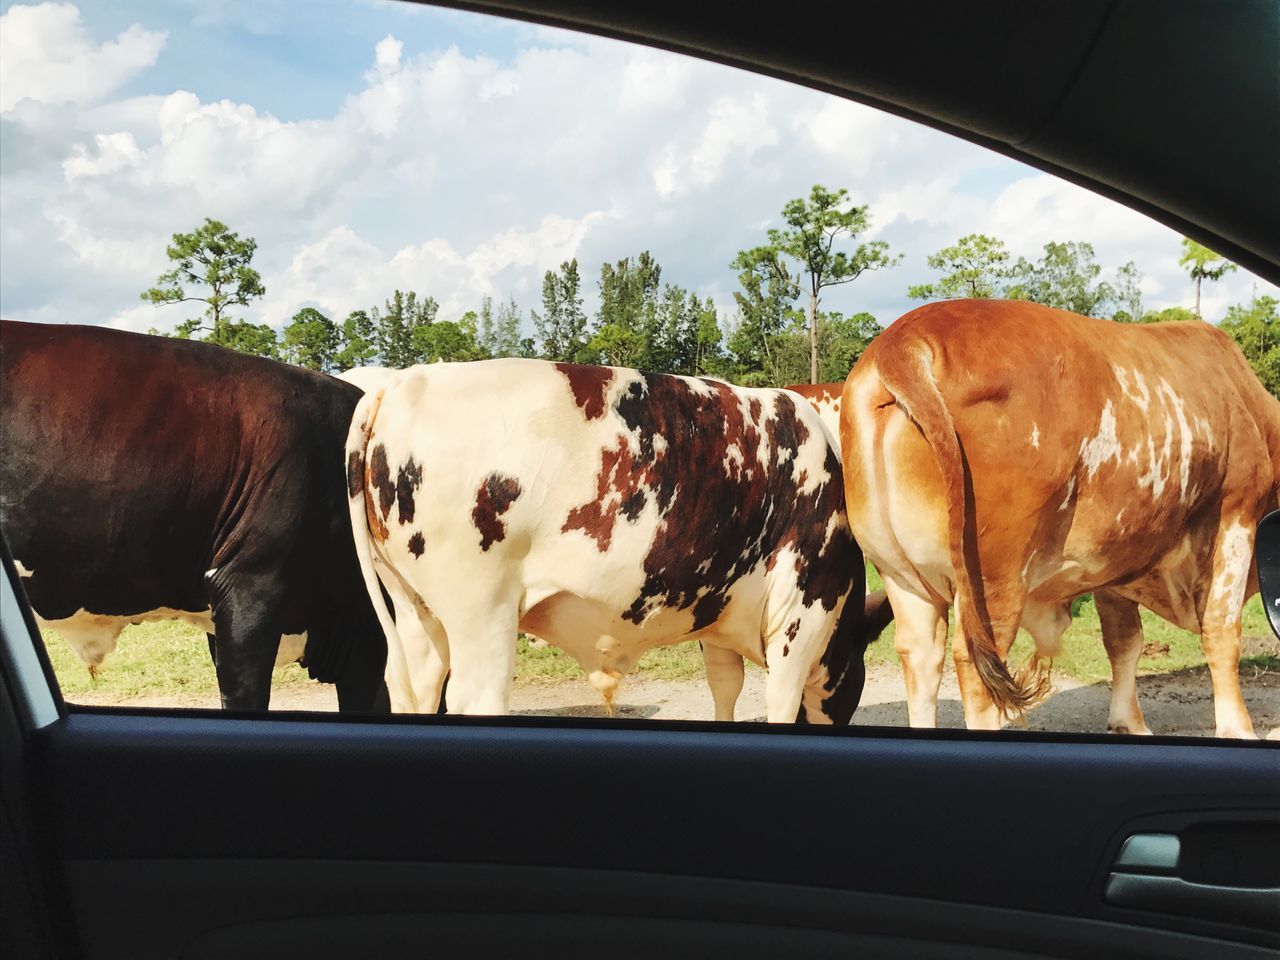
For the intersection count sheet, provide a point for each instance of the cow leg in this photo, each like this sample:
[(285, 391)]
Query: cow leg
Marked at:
[(362, 686), (213, 649), (398, 672), (1220, 627), (432, 670), (796, 684), (482, 660), (247, 639), (1122, 636), (725, 675), (920, 638)]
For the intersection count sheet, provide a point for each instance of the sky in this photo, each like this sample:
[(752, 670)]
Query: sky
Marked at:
[(371, 145)]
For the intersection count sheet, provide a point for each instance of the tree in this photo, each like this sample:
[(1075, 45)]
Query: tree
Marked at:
[(311, 340), (1256, 330), (767, 292), (1203, 264), (708, 357), (1128, 294), (245, 337), (562, 325), (974, 266), (844, 339), (394, 327), (1063, 278), (486, 333), (507, 341), (841, 341), (627, 330), (814, 227), (1167, 315), (211, 265), (357, 342), (447, 340)]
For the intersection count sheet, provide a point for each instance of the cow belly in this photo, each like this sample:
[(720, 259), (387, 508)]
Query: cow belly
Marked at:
[(292, 646), (93, 635)]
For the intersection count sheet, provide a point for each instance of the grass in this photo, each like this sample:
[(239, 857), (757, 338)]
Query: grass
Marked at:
[(151, 659), (172, 659)]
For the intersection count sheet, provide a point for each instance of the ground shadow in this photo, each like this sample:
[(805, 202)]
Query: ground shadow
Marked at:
[(641, 711), (1179, 703)]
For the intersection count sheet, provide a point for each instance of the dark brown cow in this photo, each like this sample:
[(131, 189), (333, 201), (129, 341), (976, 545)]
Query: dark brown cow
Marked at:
[(1008, 457), (146, 478)]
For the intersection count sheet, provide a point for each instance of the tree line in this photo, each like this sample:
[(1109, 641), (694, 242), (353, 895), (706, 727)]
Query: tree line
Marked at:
[(779, 332)]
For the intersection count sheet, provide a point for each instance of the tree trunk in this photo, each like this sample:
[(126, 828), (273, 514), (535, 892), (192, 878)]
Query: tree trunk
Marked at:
[(1198, 281), (813, 338)]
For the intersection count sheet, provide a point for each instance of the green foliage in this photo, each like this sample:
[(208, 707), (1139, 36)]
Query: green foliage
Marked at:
[(357, 342), (241, 335), (507, 341), (1256, 330), (1065, 278), (310, 340), (841, 341), (974, 266), (1203, 264), (814, 226), (765, 298), (446, 340), (395, 326), (486, 332), (626, 331), (1128, 293), (211, 265), (1167, 315), (562, 326)]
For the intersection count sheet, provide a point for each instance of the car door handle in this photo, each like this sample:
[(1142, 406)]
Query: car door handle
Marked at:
[(1144, 877)]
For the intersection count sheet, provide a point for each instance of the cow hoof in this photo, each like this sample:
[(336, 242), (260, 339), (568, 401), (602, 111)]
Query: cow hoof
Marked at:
[(1237, 733), (1124, 729)]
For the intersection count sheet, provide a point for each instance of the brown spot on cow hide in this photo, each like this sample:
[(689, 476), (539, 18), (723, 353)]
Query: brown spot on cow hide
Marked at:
[(733, 511), (417, 544), (380, 479), (407, 480), (589, 384), (494, 497), (355, 473)]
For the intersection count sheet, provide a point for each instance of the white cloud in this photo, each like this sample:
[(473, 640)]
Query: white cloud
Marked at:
[(462, 174), (343, 271), (46, 56), (738, 126), (114, 152)]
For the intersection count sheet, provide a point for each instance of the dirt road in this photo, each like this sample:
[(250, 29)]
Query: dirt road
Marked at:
[(1177, 703)]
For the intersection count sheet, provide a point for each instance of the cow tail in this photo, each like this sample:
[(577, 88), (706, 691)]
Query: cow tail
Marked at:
[(361, 508), (908, 376)]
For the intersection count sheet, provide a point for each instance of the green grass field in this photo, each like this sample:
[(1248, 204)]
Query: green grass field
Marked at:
[(168, 659)]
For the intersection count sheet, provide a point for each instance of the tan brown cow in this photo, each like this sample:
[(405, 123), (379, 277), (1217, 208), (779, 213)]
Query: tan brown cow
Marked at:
[(1009, 457)]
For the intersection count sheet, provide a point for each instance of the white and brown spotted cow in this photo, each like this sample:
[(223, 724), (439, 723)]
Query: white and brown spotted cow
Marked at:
[(1009, 457), (609, 512), (825, 398)]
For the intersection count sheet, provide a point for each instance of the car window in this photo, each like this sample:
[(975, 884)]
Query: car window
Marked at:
[(412, 327)]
